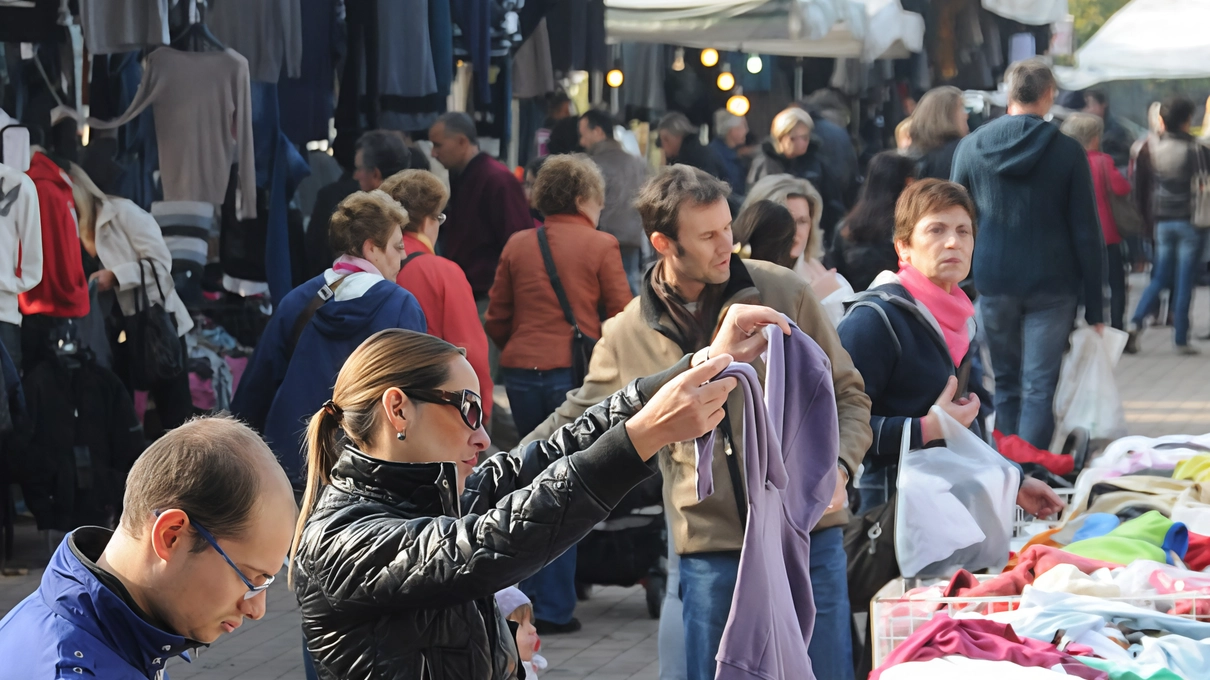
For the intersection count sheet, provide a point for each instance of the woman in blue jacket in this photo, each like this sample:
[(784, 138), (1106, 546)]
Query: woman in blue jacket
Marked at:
[(319, 324)]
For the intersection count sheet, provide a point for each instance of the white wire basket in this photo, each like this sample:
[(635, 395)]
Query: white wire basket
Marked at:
[(1024, 522), (895, 615)]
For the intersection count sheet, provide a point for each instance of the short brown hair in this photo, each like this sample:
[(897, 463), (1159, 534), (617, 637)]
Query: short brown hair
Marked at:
[(420, 193), (565, 178), (926, 197), (522, 613), (206, 468), (1029, 81), (1085, 128), (660, 200), (364, 215)]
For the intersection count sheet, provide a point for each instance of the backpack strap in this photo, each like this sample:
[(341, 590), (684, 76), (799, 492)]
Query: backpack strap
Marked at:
[(555, 283), (326, 292), (885, 320)]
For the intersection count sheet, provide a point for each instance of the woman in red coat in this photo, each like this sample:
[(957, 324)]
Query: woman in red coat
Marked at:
[(438, 284)]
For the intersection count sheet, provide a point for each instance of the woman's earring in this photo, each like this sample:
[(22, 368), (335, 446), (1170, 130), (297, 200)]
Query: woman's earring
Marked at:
[(401, 435)]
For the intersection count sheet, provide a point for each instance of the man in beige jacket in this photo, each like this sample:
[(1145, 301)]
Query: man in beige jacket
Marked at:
[(684, 296)]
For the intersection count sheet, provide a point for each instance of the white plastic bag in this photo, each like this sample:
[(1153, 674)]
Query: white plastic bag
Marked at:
[(1087, 394), (955, 505)]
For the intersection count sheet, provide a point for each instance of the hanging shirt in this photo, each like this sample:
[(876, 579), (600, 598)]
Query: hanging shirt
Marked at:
[(62, 292), (20, 241), (116, 26), (791, 446), (267, 32), (202, 103)]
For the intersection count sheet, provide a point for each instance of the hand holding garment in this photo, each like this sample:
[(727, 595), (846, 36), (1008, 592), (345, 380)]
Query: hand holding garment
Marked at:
[(982, 639), (791, 448)]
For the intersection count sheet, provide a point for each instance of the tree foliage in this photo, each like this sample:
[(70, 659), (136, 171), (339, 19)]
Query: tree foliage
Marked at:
[(1090, 15)]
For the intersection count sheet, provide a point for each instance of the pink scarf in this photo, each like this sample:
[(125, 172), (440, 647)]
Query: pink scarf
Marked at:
[(952, 310), (350, 265)]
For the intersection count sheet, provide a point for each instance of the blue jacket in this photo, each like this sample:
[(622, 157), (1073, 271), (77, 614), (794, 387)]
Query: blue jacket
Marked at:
[(278, 394), (902, 356), (1039, 231), (74, 626)]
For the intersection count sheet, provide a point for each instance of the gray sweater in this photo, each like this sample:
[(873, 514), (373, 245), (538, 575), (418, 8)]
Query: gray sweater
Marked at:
[(267, 32), (202, 103), (624, 176), (114, 26)]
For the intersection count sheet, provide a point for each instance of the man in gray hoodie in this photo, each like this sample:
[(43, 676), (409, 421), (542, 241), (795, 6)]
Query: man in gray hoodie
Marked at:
[(1039, 248), (624, 176)]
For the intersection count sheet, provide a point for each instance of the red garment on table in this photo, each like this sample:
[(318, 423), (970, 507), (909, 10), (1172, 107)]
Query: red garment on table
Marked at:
[(1018, 450), (985, 640), (1032, 562), (1197, 557)]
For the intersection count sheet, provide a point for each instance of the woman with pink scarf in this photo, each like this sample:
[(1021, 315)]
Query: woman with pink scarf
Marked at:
[(911, 336)]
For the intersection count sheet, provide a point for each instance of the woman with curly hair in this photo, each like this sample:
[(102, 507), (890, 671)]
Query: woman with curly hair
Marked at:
[(535, 337)]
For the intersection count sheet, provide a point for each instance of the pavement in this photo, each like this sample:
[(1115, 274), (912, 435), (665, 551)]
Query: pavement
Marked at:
[(1162, 392)]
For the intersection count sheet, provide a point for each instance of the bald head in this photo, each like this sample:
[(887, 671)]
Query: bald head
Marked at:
[(217, 470)]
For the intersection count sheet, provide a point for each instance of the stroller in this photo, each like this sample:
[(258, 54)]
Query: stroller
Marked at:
[(629, 547)]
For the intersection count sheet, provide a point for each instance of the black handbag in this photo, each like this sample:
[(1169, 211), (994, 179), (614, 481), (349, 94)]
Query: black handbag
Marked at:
[(156, 352), (581, 345)]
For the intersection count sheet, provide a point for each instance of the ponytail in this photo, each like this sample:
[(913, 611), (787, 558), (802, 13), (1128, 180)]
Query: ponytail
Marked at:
[(322, 453), (389, 358)]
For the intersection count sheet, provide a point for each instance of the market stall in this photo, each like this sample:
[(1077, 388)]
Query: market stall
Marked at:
[(1146, 39)]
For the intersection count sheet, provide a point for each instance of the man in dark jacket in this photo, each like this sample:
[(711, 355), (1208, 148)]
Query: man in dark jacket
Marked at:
[(679, 140), (624, 176), (487, 204), (1115, 141), (208, 521), (1039, 248)]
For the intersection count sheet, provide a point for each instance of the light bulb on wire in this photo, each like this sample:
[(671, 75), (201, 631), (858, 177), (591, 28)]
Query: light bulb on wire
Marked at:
[(678, 60), (755, 64), (726, 81), (709, 57), (738, 105), (614, 78)]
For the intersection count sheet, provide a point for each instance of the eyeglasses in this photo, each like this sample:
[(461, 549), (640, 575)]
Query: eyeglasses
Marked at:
[(469, 404), (441, 219), (253, 591)]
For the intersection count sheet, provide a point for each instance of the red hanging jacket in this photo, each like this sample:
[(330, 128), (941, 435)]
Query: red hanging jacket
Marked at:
[(63, 291)]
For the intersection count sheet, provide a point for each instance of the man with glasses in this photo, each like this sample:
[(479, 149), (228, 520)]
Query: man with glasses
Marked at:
[(206, 526)]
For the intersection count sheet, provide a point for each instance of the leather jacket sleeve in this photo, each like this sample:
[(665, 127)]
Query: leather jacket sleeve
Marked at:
[(519, 514)]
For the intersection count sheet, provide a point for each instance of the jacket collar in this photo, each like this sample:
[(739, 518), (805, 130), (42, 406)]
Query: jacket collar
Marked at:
[(886, 287), (563, 221), (739, 288), (417, 489), (415, 242), (74, 592), (471, 166), (604, 146)]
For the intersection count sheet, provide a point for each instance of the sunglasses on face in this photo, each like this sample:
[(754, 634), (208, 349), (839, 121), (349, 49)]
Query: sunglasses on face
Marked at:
[(253, 591), (469, 404)]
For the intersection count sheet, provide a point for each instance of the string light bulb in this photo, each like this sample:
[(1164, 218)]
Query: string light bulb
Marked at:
[(755, 64), (678, 60), (709, 57), (614, 78), (738, 105), (726, 81)]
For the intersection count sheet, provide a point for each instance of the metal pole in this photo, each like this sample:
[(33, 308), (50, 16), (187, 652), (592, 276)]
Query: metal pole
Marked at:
[(798, 79)]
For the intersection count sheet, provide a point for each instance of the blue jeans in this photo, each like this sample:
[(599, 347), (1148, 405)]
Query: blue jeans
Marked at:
[(672, 621), (1178, 254), (632, 262), (708, 584), (533, 396), (1027, 337)]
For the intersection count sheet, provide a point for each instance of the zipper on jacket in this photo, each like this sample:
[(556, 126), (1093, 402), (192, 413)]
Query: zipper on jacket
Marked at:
[(737, 484)]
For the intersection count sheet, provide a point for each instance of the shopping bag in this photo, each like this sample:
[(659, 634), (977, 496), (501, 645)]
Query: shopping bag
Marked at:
[(955, 504), (1087, 394)]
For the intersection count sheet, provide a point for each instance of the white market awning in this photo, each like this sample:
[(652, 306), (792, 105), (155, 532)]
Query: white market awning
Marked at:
[(865, 29), (1031, 12), (1145, 40)]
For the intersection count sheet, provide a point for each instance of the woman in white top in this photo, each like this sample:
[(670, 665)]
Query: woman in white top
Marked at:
[(123, 248)]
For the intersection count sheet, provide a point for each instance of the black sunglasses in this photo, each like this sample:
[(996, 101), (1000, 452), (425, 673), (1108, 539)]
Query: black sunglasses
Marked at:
[(469, 404)]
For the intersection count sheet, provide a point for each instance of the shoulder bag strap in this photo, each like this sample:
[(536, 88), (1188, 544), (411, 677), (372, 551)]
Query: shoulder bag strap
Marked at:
[(156, 277), (554, 279), (409, 258), (326, 292)]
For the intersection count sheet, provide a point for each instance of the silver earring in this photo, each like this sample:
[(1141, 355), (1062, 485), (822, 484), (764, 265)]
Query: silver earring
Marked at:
[(401, 435)]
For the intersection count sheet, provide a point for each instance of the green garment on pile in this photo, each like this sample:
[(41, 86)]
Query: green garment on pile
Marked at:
[(1132, 672), (1148, 537)]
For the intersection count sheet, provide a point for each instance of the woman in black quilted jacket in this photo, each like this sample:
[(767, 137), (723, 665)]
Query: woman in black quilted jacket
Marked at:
[(403, 540)]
